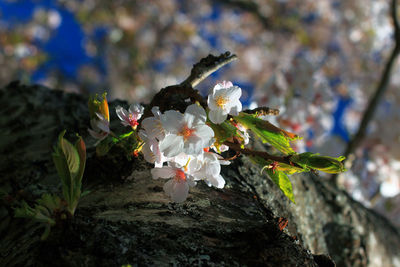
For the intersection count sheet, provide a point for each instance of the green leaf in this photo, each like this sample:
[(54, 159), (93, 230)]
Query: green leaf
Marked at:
[(326, 164), (223, 131), (63, 171), (24, 211), (51, 202), (278, 138), (39, 213), (289, 169), (66, 159), (282, 181), (70, 153), (70, 163), (42, 213)]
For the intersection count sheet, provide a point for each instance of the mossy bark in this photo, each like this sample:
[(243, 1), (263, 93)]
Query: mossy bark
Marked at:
[(127, 218)]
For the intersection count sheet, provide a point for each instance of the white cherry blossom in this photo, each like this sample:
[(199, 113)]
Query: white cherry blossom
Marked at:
[(131, 117), (209, 170), (153, 126), (177, 187), (224, 100), (186, 132), (151, 150), (151, 133)]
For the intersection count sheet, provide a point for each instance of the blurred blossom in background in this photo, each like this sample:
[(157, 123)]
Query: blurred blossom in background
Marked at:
[(317, 61)]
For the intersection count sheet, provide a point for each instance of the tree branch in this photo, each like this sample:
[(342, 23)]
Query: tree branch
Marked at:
[(201, 70), (380, 90), (206, 67)]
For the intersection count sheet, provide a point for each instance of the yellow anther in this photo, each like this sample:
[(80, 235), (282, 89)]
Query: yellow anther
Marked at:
[(221, 101)]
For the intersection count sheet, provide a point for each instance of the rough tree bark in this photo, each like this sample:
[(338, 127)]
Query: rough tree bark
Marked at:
[(127, 219)]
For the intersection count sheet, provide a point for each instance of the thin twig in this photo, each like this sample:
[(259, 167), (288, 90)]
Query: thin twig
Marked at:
[(265, 155), (206, 67), (380, 90)]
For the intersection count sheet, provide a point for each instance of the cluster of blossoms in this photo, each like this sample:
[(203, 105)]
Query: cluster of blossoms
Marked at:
[(185, 147), (182, 147)]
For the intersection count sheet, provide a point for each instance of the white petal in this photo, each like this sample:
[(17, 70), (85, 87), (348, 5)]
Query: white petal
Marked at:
[(205, 132), (153, 128), (199, 174), (193, 145), (143, 135), (234, 93), (171, 145), (221, 93), (210, 156), (181, 159), (190, 180), (217, 181), (101, 117), (169, 187), (103, 125), (172, 121), (223, 148), (174, 165), (156, 112), (180, 192), (122, 113), (148, 154), (221, 160), (97, 135), (164, 172), (211, 103), (213, 168), (222, 85), (125, 123), (194, 115), (158, 164), (236, 108), (217, 116), (136, 110), (194, 165), (155, 149), (224, 162)]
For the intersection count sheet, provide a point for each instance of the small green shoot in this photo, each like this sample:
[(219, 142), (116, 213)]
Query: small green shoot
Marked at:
[(70, 164)]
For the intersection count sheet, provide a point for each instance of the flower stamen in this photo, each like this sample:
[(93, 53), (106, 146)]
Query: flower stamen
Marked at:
[(187, 164), (180, 175), (221, 101), (132, 121), (186, 132)]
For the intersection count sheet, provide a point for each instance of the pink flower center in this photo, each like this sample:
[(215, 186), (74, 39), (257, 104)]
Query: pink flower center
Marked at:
[(132, 121), (221, 101), (186, 132), (180, 175)]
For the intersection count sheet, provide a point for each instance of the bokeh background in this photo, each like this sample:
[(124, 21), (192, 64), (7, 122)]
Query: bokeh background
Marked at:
[(319, 62)]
